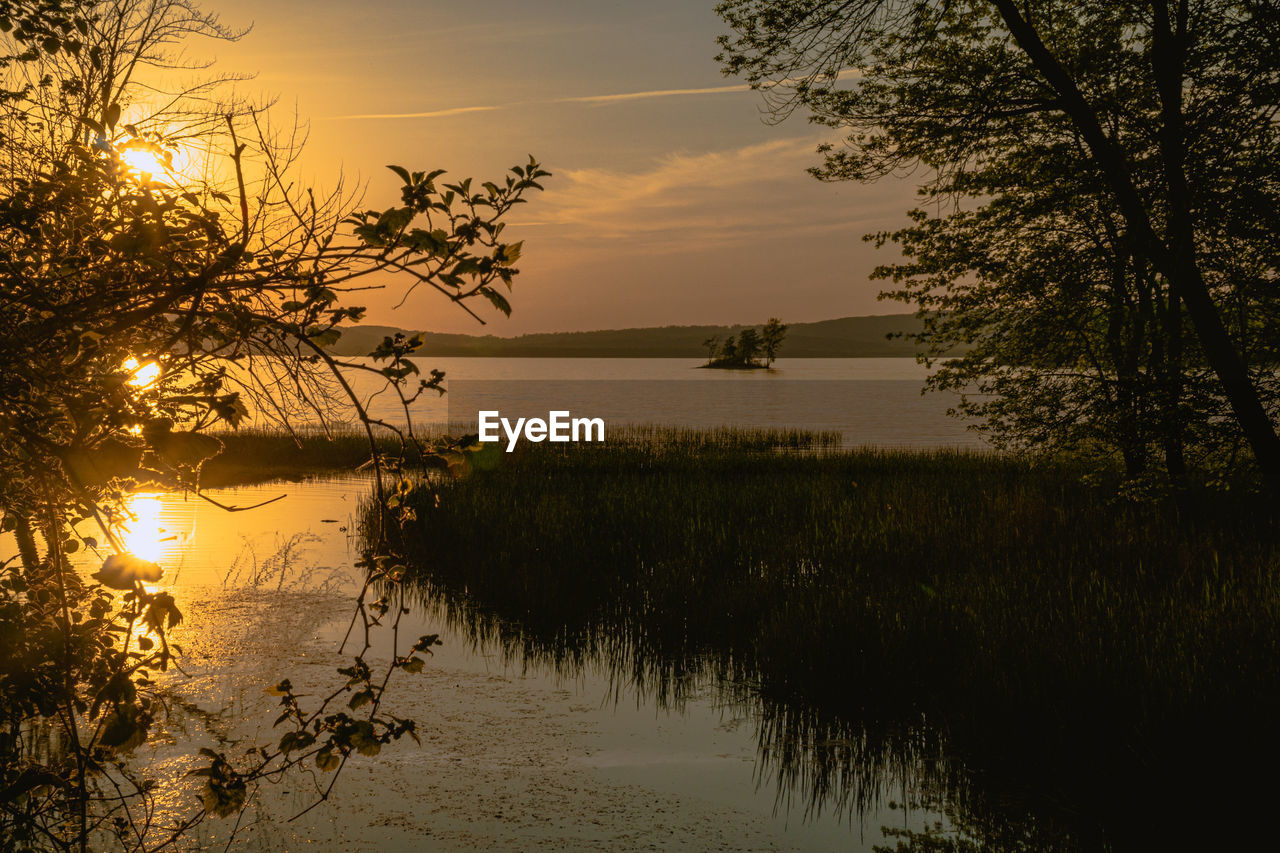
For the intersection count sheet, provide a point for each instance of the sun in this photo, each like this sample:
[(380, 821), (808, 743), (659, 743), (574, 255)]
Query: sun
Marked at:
[(141, 375), (144, 160)]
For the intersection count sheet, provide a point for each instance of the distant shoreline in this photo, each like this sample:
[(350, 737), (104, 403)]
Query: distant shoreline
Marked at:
[(876, 336)]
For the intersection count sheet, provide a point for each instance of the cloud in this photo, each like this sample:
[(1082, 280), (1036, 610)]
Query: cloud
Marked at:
[(698, 201), (618, 97), (848, 73), (654, 93), (429, 114)]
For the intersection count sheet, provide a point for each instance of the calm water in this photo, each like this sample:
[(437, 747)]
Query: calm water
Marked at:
[(870, 401), (517, 754), (520, 752)]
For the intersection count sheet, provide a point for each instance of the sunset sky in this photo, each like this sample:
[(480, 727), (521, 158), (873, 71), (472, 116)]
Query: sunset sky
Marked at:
[(672, 201)]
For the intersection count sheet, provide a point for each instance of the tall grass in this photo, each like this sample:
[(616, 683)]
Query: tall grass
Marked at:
[(259, 454), (994, 627)]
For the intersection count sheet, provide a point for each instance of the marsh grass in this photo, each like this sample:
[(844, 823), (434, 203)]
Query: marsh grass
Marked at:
[(993, 626), (257, 455)]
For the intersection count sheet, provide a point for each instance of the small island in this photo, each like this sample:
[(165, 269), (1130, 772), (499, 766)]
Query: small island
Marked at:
[(750, 349)]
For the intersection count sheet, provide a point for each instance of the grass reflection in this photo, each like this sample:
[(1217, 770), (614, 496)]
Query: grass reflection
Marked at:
[(993, 638)]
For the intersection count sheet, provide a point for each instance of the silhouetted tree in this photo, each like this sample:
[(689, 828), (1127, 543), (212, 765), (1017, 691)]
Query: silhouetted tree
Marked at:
[(729, 349), (139, 308), (1152, 112), (713, 346), (748, 345), (771, 337)]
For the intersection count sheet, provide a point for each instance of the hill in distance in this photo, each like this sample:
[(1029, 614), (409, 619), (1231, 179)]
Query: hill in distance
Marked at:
[(847, 337)]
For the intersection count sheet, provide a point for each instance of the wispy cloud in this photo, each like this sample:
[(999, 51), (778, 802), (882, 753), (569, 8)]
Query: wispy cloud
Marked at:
[(653, 93), (687, 202), (613, 98), (455, 111)]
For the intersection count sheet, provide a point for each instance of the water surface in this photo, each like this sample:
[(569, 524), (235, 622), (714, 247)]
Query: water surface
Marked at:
[(517, 753), (870, 401)]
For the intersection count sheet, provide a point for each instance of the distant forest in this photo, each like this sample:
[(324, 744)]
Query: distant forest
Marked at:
[(846, 337)]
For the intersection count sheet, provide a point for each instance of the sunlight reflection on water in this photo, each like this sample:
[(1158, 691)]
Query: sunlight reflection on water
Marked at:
[(261, 590)]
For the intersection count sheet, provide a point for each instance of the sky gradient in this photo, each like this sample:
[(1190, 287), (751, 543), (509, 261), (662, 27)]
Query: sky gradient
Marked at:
[(672, 200)]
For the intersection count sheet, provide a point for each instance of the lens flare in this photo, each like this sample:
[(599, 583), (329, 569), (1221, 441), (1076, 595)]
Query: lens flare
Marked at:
[(144, 161), (142, 375)]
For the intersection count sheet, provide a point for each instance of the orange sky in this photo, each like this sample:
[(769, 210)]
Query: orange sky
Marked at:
[(672, 201)]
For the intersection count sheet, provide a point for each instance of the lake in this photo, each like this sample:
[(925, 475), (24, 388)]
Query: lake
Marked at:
[(520, 752), (517, 753), (869, 401)]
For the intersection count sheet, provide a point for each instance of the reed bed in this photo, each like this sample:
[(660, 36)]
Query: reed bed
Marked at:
[(1061, 643), (262, 454)]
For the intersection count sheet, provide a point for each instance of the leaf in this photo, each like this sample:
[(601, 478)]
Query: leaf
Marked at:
[(280, 689), (231, 409), (162, 612), (327, 761), (402, 173), (224, 792), (294, 741), (511, 253), (125, 728), (324, 338), (426, 641), (364, 740), (122, 571), (498, 300)]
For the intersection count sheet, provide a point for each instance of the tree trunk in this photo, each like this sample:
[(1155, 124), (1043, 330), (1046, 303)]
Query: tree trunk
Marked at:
[(1171, 389), (1176, 260)]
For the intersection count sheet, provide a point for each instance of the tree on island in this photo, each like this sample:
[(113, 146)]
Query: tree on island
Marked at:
[(748, 345), (771, 339), (743, 350)]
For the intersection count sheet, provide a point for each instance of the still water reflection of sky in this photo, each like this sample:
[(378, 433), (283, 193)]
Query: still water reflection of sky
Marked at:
[(514, 756)]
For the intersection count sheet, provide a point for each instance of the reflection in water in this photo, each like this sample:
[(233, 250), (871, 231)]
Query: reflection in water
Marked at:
[(615, 563), (154, 531), (859, 754), (815, 763)]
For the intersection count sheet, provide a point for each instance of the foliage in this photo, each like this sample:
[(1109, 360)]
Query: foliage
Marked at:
[(1097, 204), (742, 350), (748, 345), (771, 337), (139, 308)]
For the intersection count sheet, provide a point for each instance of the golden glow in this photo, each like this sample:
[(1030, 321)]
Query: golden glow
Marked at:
[(146, 161), (143, 375), (144, 534)]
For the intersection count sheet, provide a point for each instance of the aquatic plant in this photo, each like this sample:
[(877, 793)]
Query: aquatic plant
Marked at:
[(1053, 644)]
